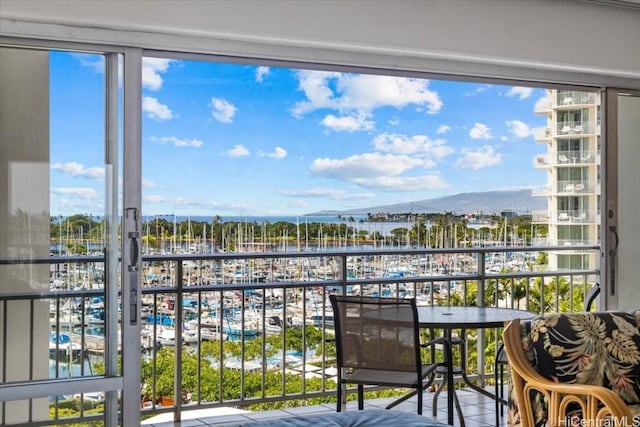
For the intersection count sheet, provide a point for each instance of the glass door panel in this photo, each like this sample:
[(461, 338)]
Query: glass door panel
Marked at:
[(58, 232)]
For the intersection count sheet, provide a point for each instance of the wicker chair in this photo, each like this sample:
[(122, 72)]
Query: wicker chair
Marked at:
[(502, 361), (378, 343), (573, 369)]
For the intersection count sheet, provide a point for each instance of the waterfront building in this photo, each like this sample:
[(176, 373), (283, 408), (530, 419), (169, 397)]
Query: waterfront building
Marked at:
[(572, 162)]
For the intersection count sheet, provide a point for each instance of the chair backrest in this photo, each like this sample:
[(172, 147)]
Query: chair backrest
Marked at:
[(591, 295), (573, 349), (376, 333)]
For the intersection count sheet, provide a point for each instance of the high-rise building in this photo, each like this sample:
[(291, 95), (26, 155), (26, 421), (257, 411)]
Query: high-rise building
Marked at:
[(572, 162)]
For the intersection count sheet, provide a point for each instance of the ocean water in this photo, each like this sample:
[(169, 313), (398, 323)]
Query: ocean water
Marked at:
[(327, 219)]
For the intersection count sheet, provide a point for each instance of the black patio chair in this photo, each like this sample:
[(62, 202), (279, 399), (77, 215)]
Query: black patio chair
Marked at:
[(378, 343)]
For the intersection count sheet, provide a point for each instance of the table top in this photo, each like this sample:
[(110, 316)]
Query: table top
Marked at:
[(468, 317)]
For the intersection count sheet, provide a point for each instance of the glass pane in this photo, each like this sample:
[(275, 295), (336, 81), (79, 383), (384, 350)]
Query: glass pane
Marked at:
[(52, 233)]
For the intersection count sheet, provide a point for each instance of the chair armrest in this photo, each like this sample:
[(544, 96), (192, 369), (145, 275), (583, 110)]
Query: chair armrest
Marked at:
[(446, 344), (448, 355), (596, 403)]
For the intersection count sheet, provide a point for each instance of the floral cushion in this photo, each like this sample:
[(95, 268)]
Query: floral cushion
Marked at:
[(598, 348)]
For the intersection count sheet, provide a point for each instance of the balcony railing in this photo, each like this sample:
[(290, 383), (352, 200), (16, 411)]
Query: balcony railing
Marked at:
[(573, 157), (574, 128), (574, 187), (575, 98), (574, 217), (250, 329), (542, 134)]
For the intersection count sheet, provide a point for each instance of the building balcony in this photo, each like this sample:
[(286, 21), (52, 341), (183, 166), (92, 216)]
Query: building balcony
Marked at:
[(479, 411), (575, 157), (541, 191), (574, 187), (219, 330), (574, 217), (541, 161), (540, 217), (573, 129), (575, 243), (573, 98), (542, 134)]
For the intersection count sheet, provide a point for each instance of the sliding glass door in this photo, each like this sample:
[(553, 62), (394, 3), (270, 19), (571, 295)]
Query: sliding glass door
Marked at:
[(62, 138)]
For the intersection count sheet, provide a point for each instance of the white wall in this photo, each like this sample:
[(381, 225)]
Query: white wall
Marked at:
[(572, 41), (628, 297)]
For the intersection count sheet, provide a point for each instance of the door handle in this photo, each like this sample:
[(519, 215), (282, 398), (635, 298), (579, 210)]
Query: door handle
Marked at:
[(134, 250)]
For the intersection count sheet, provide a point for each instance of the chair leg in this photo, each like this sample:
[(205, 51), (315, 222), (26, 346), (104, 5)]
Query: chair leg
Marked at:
[(498, 385), (499, 379), (360, 397), (339, 404), (420, 393), (456, 403)]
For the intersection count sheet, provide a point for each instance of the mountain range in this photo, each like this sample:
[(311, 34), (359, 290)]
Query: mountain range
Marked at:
[(519, 201)]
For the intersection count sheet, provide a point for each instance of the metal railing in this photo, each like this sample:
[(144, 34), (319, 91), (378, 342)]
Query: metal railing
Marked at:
[(256, 328)]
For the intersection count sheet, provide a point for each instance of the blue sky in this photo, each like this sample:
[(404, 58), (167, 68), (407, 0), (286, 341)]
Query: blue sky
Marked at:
[(225, 139)]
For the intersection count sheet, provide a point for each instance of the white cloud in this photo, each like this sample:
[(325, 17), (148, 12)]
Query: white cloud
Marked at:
[(348, 123), (80, 192), (477, 159), (361, 92), (478, 90), (519, 129), (223, 110), (315, 85), (520, 92), (480, 131), (278, 153), (94, 61), (443, 129), (153, 198), (394, 121), (151, 70), (77, 169), (409, 145), (378, 171), (177, 142), (238, 151), (155, 110), (261, 72), (366, 165), (330, 193), (405, 183), (148, 183), (542, 104)]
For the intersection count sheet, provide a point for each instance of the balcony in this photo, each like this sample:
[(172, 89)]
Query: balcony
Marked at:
[(542, 134), (573, 129), (540, 217), (541, 191), (479, 411), (574, 217), (576, 244), (575, 157), (574, 187), (255, 328), (573, 98), (541, 161)]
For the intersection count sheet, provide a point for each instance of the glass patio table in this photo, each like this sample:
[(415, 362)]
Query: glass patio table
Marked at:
[(450, 318)]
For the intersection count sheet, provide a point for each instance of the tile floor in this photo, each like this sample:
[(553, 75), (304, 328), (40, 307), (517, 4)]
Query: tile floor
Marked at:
[(478, 411)]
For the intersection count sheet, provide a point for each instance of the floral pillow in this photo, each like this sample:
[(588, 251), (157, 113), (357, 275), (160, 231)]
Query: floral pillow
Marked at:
[(600, 348)]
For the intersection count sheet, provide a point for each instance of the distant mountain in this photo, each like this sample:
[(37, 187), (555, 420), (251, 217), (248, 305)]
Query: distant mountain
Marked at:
[(520, 201)]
